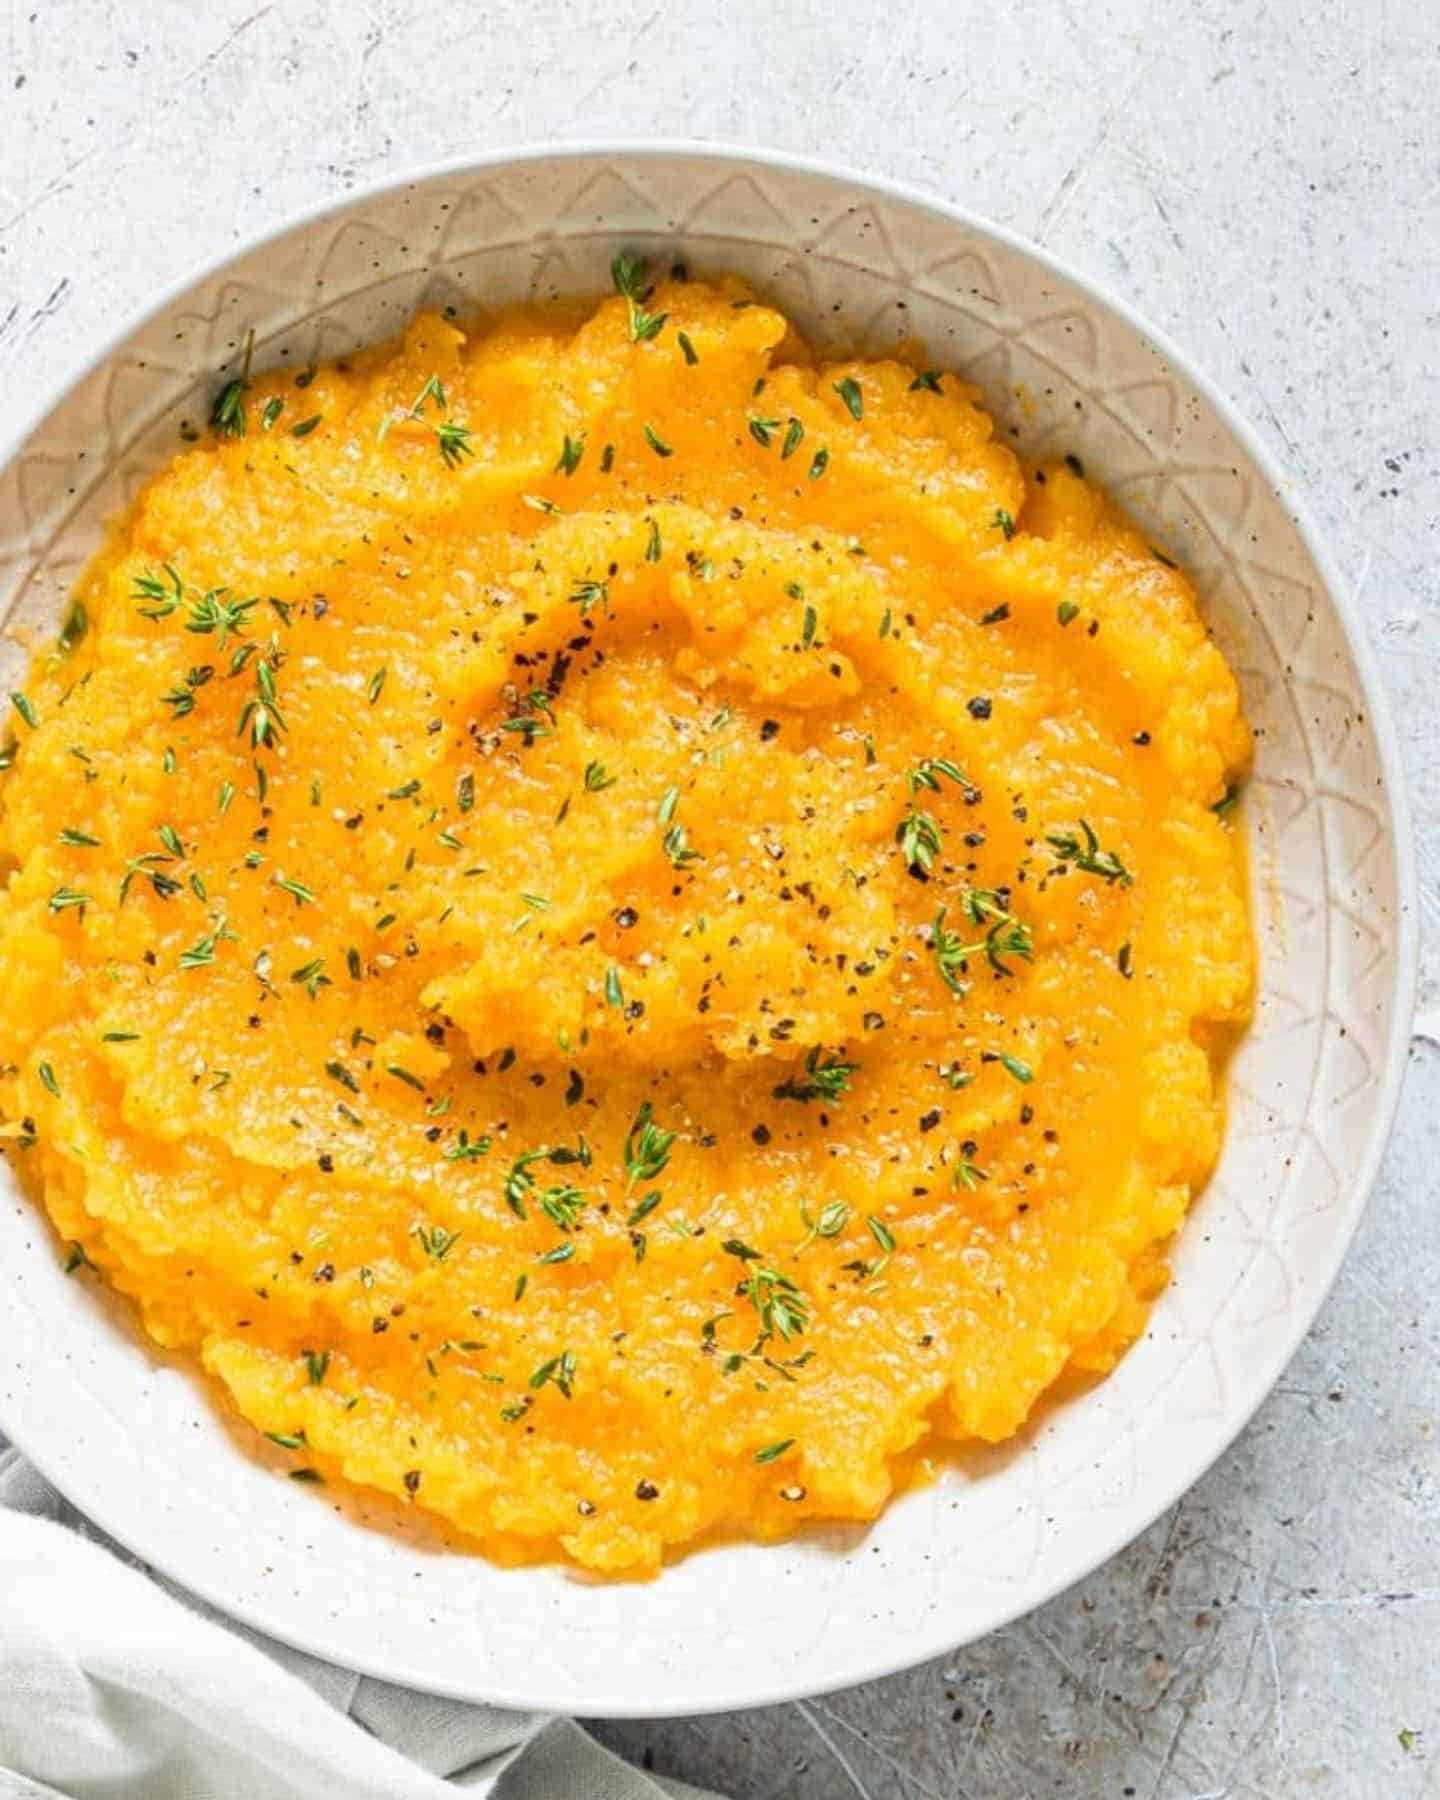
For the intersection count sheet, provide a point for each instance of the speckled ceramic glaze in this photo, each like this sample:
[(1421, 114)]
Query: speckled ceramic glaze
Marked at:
[(137, 1442)]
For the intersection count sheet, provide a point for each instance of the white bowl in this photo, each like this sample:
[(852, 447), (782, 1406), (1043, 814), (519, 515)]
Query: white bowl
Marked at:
[(138, 1445)]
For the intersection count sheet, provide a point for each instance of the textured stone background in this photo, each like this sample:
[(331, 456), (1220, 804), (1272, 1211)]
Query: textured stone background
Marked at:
[(1262, 181)]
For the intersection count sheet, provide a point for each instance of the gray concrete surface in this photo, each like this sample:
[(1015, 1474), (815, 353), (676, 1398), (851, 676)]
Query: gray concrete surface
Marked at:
[(1264, 182)]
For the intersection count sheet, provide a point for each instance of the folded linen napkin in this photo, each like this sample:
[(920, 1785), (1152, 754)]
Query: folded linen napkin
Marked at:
[(116, 1685)]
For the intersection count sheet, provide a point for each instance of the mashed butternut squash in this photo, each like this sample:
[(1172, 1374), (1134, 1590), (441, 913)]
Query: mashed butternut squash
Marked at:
[(612, 924)]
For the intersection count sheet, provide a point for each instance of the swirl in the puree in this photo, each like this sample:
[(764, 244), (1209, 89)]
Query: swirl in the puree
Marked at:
[(612, 923)]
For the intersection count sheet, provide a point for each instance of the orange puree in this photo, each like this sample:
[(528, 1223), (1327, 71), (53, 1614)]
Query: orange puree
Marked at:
[(611, 923)]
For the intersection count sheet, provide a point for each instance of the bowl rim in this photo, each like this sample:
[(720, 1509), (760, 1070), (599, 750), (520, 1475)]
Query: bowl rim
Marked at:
[(932, 1642)]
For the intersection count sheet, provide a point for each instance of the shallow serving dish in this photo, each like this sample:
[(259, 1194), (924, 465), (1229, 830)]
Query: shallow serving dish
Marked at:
[(138, 1445)]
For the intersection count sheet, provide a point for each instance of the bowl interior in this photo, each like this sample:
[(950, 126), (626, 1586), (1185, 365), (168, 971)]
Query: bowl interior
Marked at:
[(139, 1446)]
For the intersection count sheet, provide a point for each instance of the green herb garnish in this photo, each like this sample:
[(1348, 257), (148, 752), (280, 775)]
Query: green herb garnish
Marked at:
[(227, 415), (647, 1148), (772, 1452), (75, 628), (312, 976), (559, 1369), (967, 1175), (201, 953), (628, 273), (589, 594), (1085, 853), (1228, 801), (467, 1149), (829, 1223), (454, 442), (563, 1204), (435, 1241), (261, 713), (827, 1080), (297, 890)]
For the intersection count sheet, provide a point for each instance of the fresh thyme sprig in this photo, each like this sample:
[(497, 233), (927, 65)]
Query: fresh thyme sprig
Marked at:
[(211, 611), (918, 836), (929, 770), (467, 1149), (436, 1241), (559, 1369), (676, 840), (828, 1223), (1085, 853), (563, 1204), (520, 1180), (312, 975), (202, 953), (827, 1080), (780, 1306), (966, 1173), (534, 717), (1005, 935), (454, 441), (261, 713), (144, 868), (918, 833), (227, 415), (647, 1148), (164, 592), (628, 273), (849, 390), (590, 594), (451, 436), (951, 954)]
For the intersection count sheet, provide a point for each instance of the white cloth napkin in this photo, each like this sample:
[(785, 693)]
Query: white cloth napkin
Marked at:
[(116, 1685)]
